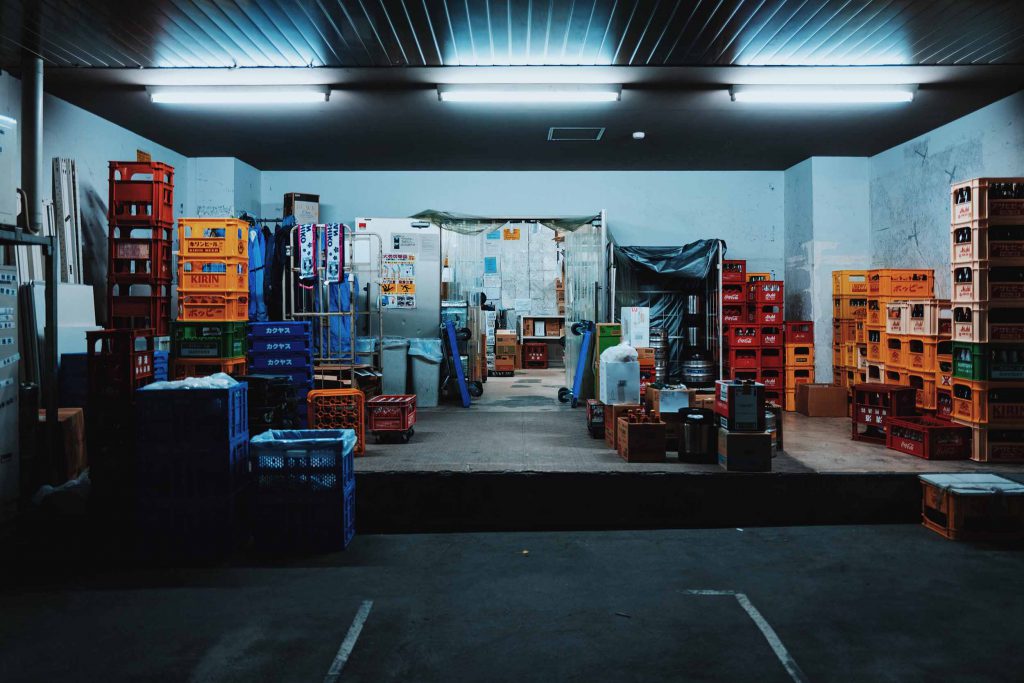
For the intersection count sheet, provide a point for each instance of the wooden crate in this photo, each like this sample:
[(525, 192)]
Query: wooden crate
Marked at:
[(611, 414), (973, 507), (640, 441)]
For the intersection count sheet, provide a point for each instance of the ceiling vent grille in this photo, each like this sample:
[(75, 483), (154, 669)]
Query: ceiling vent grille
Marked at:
[(574, 134)]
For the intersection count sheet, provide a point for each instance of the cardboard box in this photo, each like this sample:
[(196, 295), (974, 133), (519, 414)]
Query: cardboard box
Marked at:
[(620, 382), (745, 451), (645, 354), (305, 207), (636, 326), (640, 441), (611, 416), (822, 400), (669, 401), (740, 405), (71, 458)]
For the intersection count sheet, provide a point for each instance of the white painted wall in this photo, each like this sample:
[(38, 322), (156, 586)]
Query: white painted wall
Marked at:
[(653, 208)]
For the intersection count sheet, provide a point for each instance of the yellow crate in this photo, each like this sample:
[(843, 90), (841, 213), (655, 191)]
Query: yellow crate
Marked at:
[(850, 283), (213, 238)]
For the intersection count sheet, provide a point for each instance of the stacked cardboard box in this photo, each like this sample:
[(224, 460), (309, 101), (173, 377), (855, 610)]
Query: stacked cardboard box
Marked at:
[(744, 444), (505, 351), (987, 235)]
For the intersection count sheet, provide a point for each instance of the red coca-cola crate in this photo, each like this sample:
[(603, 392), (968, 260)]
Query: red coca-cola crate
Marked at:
[(392, 414), (768, 314), (928, 437), (141, 193), (743, 336), (139, 261), (742, 375), (118, 362), (734, 293), (734, 271), (772, 336), (735, 314), (773, 357), (743, 359), (765, 292), (800, 332)]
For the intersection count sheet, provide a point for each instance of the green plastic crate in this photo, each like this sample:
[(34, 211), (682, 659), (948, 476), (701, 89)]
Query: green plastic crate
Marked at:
[(208, 340), (988, 362)]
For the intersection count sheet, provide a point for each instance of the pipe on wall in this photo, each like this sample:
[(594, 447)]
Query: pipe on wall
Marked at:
[(32, 138)]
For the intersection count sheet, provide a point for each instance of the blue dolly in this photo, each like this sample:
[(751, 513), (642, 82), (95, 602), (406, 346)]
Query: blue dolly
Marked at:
[(585, 328)]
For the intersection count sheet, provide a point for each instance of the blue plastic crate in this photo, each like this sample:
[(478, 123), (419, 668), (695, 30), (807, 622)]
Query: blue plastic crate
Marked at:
[(300, 377), (193, 417), (278, 361), (325, 522), (164, 468), (161, 360), (313, 459), (287, 329), (274, 345)]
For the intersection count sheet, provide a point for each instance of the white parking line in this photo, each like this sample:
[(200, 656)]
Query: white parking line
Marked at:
[(786, 659), (349, 643)]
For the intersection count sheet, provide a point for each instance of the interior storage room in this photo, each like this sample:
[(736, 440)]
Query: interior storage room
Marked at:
[(312, 312)]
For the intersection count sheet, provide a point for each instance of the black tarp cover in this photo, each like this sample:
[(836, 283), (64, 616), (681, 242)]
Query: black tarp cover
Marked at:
[(660, 278)]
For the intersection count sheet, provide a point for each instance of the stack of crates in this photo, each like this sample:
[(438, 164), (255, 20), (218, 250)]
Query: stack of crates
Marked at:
[(213, 297), (916, 332), (799, 359), (118, 362), (753, 329), (987, 242), (849, 327), (339, 409), (139, 239), (284, 349), (191, 459), (886, 363)]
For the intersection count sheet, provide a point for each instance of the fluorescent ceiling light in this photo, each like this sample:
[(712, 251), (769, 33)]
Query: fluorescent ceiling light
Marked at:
[(823, 94), (529, 93), (213, 94)]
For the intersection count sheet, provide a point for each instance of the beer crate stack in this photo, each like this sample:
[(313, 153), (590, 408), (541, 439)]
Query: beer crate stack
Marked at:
[(139, 239), (799, 359), (916, 332), (849, 327), (753, 329), (885, 359), (284, 350), (213, 297), (987, 261)]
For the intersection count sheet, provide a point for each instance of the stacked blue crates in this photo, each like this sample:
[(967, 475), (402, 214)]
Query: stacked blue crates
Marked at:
[(304, 489), (191, 470), (284, 349)]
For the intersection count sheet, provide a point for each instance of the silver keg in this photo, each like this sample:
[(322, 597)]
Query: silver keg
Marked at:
[(697, 371), (659, 342)]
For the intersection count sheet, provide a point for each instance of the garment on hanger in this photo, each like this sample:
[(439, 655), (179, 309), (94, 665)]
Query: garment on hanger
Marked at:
[(257, 271), (274, 287)]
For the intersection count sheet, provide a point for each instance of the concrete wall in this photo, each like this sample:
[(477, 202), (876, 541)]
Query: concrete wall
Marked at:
[(910, 184), (223, 186), (799, 237), (644, 208)]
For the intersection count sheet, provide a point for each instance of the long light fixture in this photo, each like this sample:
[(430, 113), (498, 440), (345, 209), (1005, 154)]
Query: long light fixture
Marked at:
[(241, 94), (523, 93), (823, 94)]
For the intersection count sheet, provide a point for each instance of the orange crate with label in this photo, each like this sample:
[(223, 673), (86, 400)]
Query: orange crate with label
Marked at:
[(799, 354), (839, 377), (894, 356), (338, 409), (920, 353), (925, 386), (849, 308), (758, 277), (862, 332), (213, 238), (995, 199), (876, 346), (984, 403), (979, 282), (875, 316), (850, 283), (901, 283), (896, 377), (997, 444), (980, 241), (795, 376), (838, 353), (968, 512), (213, 308), (850, 355), (215, 276)]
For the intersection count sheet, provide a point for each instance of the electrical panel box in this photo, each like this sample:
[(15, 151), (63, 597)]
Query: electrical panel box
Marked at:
[(8, 184)]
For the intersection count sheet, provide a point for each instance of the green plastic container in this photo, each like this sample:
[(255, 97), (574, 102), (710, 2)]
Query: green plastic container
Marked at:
[(208, 340), (988, 362)]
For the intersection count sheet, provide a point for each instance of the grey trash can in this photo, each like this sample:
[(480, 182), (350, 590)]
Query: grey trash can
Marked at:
[(394, 364), (425, 360), (365, 348)]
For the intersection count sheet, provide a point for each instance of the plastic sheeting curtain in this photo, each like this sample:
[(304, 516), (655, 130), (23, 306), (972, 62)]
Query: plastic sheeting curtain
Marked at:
[(584, 271)]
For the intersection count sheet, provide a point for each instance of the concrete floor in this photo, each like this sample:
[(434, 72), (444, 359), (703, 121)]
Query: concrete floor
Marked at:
[(519, 425), (889, 603)]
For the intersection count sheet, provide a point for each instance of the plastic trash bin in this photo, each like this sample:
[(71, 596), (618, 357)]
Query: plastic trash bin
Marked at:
[(425, 359), (394, 364), (365, 348)]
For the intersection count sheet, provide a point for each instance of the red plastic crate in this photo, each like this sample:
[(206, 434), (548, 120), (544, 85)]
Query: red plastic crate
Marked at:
[(735, 314), (743, 359), (766, 292), (734, 271), (746, 375), (734, 293), (141, 194), (928, 437), (139, 261), (743, 336), (139, 312), (773, 357), (392, 413), (772, 336), (768, 314), (800, 332), (117, 366), (773, 378)]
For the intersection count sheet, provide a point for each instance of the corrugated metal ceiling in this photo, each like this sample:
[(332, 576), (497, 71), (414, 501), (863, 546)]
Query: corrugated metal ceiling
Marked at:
[(339, 33)]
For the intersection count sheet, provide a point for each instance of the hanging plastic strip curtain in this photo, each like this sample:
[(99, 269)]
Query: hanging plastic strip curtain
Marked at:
[(468, 224)]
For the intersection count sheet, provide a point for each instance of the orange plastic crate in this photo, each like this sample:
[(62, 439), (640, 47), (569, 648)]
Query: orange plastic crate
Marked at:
[(202, 367), (850, 283), (901, 283), (925, 386), (338, 409), (213, 308), (213, 238), (799, 354), (985, 403), (216, 276), (920, 353), (894, 353)]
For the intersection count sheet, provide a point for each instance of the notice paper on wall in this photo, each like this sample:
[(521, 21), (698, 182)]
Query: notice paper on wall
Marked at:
[(490, 265), (510, 234), (398, 281), (492, 281)]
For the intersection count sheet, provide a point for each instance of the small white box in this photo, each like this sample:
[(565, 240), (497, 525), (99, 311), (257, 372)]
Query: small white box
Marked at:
[(620, 382), (636, 326), (539, 328)]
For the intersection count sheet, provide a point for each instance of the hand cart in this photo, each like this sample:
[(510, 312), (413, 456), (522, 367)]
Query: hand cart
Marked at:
[(565, 395), (453, 360)]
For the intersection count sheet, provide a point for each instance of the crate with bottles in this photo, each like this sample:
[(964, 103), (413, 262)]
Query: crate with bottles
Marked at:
[(999, 200)]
